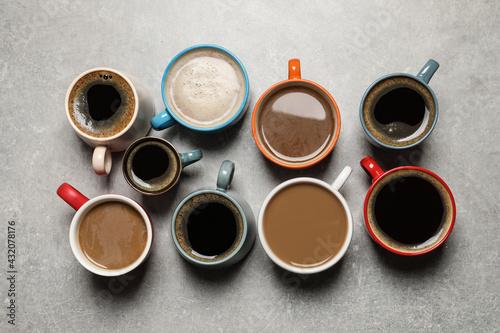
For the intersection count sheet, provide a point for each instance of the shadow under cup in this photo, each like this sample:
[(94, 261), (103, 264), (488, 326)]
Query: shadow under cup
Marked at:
[(409, 211)]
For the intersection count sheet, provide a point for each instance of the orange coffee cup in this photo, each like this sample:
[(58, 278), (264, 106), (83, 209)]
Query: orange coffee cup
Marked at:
[(296, 122)]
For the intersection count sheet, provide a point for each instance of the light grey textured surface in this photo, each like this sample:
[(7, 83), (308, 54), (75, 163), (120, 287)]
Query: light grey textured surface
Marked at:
[(344, 46)]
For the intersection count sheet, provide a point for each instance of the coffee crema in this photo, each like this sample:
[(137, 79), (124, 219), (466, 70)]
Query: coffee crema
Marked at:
[(296, 123), (209, 227), (151, 166), (399, 111), (101, 104), (112, 235), (205, 87), (409, 210), (305, 225)]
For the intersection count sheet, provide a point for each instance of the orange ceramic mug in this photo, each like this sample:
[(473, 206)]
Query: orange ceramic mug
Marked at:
[(296, 122)]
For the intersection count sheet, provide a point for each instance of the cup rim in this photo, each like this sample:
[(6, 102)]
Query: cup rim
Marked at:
[(408, 253), (202, 263), (74, 228), (274, 257), (158, 139), (102, 140), (318, 158), (240, 111), (385, 77)]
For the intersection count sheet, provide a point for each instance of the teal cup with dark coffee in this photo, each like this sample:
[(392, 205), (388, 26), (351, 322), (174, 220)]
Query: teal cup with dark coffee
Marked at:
[(214, 228), (400, 110), (152, 165)]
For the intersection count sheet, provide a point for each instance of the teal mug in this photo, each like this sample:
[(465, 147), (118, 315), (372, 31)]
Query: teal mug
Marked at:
[(400, 110), (214, 228), (152, 165)]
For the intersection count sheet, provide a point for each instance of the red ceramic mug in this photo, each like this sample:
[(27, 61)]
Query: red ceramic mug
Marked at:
[(408, 210), (110, 235)]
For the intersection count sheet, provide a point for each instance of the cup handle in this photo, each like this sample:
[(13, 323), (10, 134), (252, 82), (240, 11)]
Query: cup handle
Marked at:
[(102, 161), (342, 178), (190, 157), (225, 177), (72, 196), (428, 70), (293, 69), (162, 120), (371, 168)]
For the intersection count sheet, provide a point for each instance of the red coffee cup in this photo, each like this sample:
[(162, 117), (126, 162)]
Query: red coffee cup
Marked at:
[(408, 210)]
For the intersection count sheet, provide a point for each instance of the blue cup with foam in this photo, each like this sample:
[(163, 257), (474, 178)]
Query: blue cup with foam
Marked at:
[(204, 88)]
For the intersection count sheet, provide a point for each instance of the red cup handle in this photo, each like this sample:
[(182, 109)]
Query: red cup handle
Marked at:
[(371, 168), (71, 195), (293, 69)]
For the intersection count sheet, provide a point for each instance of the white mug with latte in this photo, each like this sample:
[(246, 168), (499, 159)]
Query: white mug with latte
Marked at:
[(204, 88), (108, 110)]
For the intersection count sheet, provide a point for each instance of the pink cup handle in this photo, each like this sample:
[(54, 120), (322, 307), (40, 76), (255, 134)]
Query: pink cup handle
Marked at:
[(71, 195), (371, 168), (293, 69), (101, 161)]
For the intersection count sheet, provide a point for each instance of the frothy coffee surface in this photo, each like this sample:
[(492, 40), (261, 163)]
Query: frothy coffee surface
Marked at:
[(399, 111), (409, 210), (112, 235), (209, 227), (296, 124), (152, 166), (305, 225), (101, 104), (205, 87)]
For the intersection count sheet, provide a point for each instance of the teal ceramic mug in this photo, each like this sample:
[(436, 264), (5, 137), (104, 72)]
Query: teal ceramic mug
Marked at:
[(400, 110), (214, 228)]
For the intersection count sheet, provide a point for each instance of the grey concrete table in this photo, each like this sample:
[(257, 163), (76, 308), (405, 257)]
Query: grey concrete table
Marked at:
[(342, 45)]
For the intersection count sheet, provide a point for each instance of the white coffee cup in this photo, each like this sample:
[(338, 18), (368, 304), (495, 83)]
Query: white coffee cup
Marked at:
[(137, 126), (322, 245), (83, 205)]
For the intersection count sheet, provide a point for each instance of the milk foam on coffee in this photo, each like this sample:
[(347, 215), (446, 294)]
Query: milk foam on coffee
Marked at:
[(205, 87)]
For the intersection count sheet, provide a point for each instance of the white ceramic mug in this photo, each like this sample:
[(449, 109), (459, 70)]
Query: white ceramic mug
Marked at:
[(138, 126), (83, 205), (320, 244)]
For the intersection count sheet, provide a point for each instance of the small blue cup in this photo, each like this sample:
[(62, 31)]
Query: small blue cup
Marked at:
[(387, 138), (177, 68)]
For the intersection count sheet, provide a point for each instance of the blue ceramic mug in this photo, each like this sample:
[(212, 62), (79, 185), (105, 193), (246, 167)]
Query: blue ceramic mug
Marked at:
[(214, 228), (400, 110), (204, 88)]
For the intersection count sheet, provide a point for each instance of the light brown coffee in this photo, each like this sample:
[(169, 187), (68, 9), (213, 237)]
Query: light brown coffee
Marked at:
[(296, 124), (101, 104), (305, 225), (112, 235)]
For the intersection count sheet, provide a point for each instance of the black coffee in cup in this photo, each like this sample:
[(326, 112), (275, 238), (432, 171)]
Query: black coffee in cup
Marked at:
[(399, 111), (101, 104), (151, 165), (209, 227), (410, 209)]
